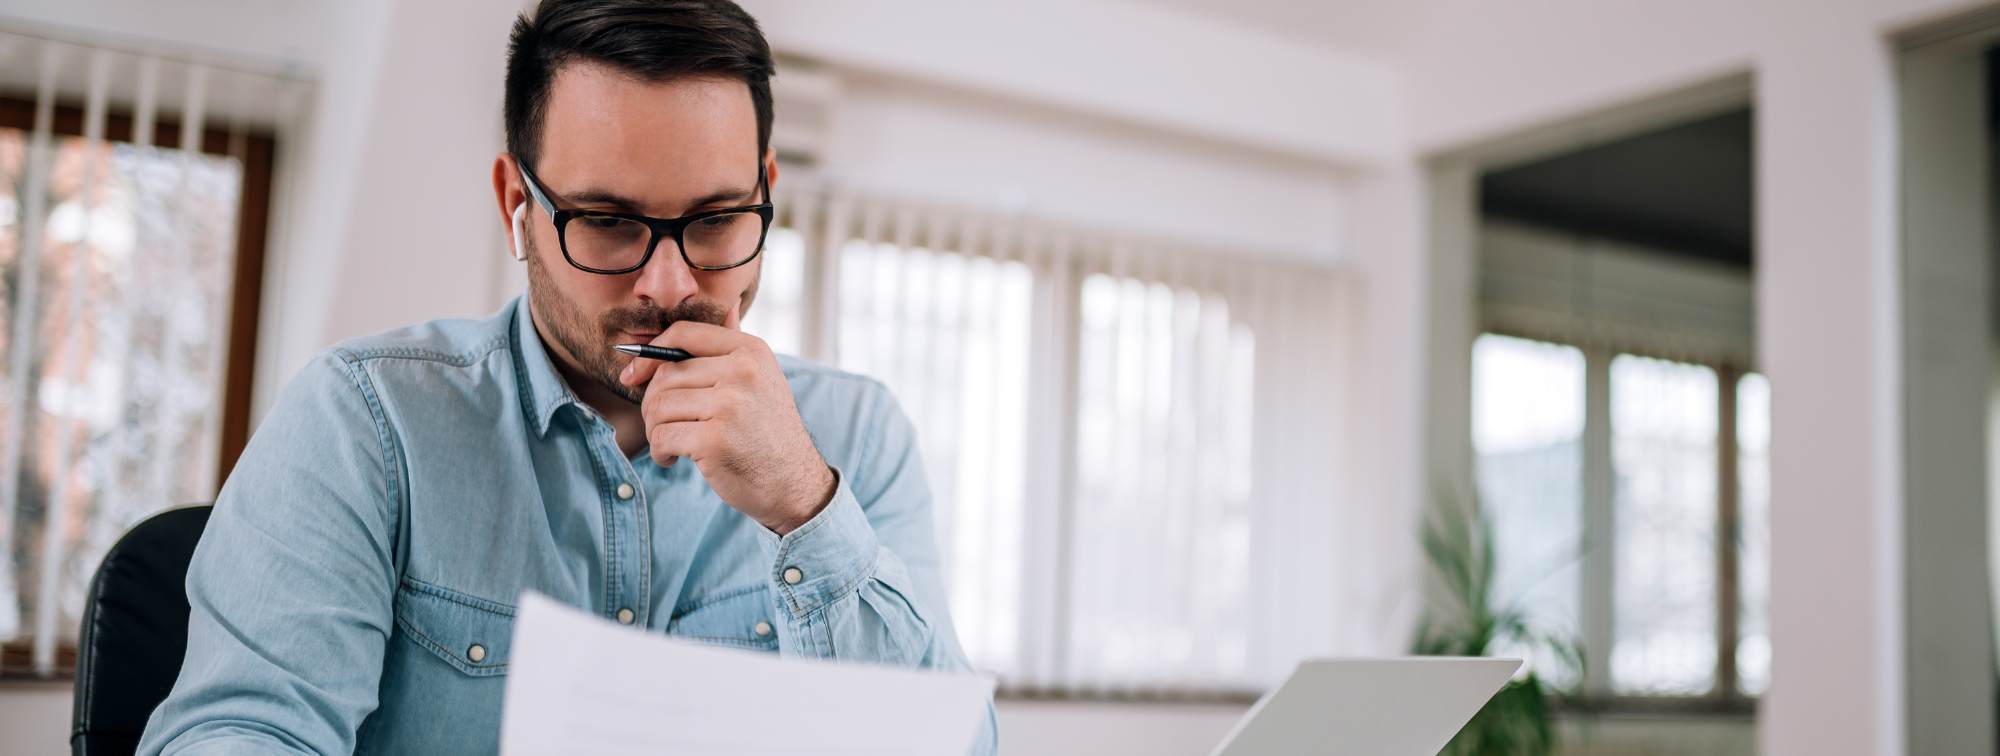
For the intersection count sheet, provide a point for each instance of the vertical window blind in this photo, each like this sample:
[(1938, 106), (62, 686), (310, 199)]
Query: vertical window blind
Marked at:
[(1130, 441), (123, 225)]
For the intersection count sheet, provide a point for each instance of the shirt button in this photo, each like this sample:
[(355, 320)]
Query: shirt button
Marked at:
[(477, 653), (763, 629), (624, 616), (625, 492), (793, 576)]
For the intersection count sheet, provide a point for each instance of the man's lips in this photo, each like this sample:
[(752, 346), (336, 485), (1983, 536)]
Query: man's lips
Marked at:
[(640, 338)]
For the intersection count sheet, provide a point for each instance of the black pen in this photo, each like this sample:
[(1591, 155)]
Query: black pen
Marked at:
[(648, 351)]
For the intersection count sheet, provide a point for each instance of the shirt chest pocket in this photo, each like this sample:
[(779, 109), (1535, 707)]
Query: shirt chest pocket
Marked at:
[(469, 633), (741, 618)]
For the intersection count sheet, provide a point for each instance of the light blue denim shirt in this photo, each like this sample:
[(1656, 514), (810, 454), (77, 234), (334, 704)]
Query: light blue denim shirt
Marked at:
[(355, 589)]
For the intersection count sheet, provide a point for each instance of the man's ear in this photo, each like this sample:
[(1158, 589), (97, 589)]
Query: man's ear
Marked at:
[(507, 188), (771, 166), (513, 200)]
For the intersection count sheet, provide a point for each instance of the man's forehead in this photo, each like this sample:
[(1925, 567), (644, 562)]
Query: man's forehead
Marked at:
[(662, 143)]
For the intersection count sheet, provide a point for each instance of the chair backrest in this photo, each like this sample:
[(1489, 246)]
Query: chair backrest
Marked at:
[(134, 631)]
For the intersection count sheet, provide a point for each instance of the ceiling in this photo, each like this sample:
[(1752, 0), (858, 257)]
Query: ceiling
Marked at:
[(1373, 27), (1684, 190)]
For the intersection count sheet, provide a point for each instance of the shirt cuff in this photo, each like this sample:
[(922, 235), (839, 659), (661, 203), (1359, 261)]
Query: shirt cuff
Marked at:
[(827, 558)]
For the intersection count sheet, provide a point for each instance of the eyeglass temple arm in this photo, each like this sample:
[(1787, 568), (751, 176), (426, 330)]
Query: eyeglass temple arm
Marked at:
[(535, 190)]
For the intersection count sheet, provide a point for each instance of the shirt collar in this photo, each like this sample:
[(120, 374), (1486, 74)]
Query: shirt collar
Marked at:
[(543, 390)]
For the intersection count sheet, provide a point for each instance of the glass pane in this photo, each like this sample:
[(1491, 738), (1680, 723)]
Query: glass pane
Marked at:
[(777, 315), (602, 242), (1753, 444), (1161, 582), (1527, 431), (131, 317), (725, 239), (1663, 436), (946, 332)]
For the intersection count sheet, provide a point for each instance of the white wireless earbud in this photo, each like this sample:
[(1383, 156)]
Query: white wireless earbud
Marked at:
[(520, 229)]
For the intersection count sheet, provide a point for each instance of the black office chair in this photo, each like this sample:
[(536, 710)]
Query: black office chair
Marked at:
[(134, 632)]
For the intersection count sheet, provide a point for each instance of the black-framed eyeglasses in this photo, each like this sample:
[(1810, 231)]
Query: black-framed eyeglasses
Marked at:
[(608, 243)]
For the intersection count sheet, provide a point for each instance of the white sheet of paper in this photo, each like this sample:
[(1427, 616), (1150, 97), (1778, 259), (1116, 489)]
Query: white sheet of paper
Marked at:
[(582, 684)]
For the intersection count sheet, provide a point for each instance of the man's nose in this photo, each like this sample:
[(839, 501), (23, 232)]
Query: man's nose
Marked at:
[(666, 279)]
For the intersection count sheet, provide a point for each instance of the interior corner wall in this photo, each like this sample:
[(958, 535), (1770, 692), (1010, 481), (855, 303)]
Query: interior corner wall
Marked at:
[(1386, 401), (1828, 319), (1452, 323)]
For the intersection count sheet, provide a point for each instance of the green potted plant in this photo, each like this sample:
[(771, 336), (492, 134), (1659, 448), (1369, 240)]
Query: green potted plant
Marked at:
[(1464, 617)]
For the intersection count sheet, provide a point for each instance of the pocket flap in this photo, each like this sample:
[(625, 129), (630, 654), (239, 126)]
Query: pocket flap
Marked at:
[(741, 617), (469, 633)]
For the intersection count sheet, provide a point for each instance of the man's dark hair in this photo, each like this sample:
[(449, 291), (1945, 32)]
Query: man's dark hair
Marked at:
[(654, 40)]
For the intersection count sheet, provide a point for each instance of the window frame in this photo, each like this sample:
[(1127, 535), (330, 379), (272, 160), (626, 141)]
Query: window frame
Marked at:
[(256, 149), (1595, 604)]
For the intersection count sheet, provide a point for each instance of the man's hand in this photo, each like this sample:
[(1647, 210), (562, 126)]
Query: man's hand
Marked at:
[(730, 410)]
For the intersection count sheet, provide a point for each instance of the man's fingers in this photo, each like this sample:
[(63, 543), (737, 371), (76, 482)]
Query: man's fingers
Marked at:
[(696, 338), (700, 371), (701, 339), (671, 441), (672, 405)]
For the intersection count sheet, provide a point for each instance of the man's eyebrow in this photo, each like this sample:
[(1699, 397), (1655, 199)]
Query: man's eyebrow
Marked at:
[(720, 196), (622, 203), (603, 198)]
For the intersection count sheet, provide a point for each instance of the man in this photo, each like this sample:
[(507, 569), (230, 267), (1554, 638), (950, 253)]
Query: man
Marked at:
[(354, 589)]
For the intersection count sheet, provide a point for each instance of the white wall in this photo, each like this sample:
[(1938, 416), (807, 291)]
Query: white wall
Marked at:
[(901, 138), (1067, 728), (389, 218), (1129, 62), (35, 718)]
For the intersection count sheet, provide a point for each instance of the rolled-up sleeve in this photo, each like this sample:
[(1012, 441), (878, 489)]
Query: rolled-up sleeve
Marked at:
[(291, 589), (861, 581)]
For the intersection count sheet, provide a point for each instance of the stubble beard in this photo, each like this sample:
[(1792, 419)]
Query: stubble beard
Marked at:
[(589, 342)]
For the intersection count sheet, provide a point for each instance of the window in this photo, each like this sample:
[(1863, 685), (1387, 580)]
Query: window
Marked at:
[(1528, 433), (1088, 413), (1663, 449), (1157, 363), (946, 331), (1654, 620), (131, 248), (1753, 543), (775, 314)]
